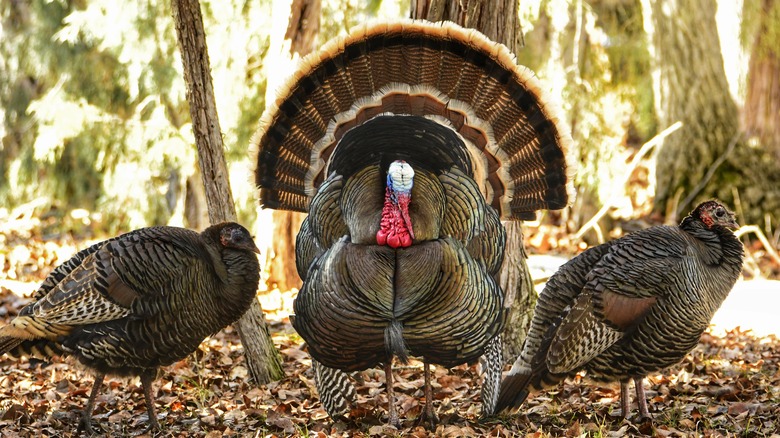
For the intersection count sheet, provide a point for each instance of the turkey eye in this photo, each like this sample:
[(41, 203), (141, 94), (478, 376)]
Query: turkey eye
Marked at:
[(719, 212)]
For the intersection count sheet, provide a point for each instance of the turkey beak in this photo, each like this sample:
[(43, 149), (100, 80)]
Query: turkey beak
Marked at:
[(254, 248), (732, 223)]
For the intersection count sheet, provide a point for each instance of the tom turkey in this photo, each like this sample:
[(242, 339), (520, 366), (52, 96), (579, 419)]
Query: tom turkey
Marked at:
[(407, 143), (629, 307), (134, 303)]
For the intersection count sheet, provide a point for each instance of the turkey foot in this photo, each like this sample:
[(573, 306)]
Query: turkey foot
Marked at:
[(641, 400), (392, 413), (428, 416)]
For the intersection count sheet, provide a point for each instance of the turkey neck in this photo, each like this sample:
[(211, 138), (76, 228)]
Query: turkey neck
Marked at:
[(243, 277), (720, 253), (718, 244), (239, 274)]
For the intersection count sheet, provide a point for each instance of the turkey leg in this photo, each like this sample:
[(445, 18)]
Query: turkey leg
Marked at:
[(146, 382), (641, 398), (86, 415), (429, 415), (625, 399), (392, 414)]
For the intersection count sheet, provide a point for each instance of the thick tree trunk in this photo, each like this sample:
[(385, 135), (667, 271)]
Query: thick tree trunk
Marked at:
[(690, 87), (498, 21), (302, 32), (263, 360), (708, 157)]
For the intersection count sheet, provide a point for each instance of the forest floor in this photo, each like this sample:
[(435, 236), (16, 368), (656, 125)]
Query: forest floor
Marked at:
[(729, 385)]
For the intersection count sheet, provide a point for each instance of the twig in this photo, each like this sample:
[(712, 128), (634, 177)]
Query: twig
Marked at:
[(710, 173), (757, 231), (653, 142)]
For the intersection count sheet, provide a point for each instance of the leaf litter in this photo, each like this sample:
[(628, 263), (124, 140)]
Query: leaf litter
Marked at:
[(729, 385)]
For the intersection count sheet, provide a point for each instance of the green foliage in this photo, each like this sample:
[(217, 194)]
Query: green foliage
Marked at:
[(94, 109)]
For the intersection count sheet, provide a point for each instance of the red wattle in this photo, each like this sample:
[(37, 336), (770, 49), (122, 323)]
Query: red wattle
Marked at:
[(393, 241), (381, 237), (395, 226), (403, 209)]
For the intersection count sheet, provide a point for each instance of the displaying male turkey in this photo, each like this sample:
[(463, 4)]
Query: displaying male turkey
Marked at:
[(629, 307), (407, 143), (134, 303)]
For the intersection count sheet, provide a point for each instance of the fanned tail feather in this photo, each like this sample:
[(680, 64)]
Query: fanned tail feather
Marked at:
[(502, 128)]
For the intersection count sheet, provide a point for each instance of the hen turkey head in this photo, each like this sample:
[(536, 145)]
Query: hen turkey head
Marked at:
[(713, 213)]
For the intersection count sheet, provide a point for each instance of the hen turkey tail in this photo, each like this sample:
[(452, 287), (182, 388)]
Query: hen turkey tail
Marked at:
[(7, 344), (514, 391), (409, 87)]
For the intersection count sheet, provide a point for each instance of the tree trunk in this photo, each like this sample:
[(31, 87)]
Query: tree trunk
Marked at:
[(263, 360), (762, 103), (690, 87), (302, 31), (498, 21)]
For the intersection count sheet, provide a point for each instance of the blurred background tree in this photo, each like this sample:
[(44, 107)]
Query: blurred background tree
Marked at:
[(94, 111)]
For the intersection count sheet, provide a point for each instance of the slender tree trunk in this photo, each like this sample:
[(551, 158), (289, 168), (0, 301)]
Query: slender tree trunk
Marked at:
[(497, 19), (302, 32), (263, 360), (761, 115)]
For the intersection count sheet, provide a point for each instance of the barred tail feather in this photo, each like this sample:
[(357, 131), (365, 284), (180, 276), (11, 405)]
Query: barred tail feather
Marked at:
[(492, 363), (7, 344), (337, 393)]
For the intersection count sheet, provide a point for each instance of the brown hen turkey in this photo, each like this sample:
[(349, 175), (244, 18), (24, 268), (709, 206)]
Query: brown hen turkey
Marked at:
[(629, 307), (134, 303), (407, 143)]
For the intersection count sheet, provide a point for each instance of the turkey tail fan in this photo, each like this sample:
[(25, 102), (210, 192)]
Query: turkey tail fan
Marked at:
[(474, 106)]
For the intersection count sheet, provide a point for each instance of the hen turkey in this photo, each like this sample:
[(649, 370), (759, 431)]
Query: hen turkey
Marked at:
[(407, 143), (629, 307), (134, 303)]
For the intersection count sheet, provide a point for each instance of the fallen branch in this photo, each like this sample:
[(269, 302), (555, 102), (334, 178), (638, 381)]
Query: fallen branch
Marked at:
[(653, 142), (764, 241)]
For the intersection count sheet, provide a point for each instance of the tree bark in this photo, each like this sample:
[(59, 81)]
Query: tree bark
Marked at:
[(762, 103), (498, 21), (302, 32), (263, 361)]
